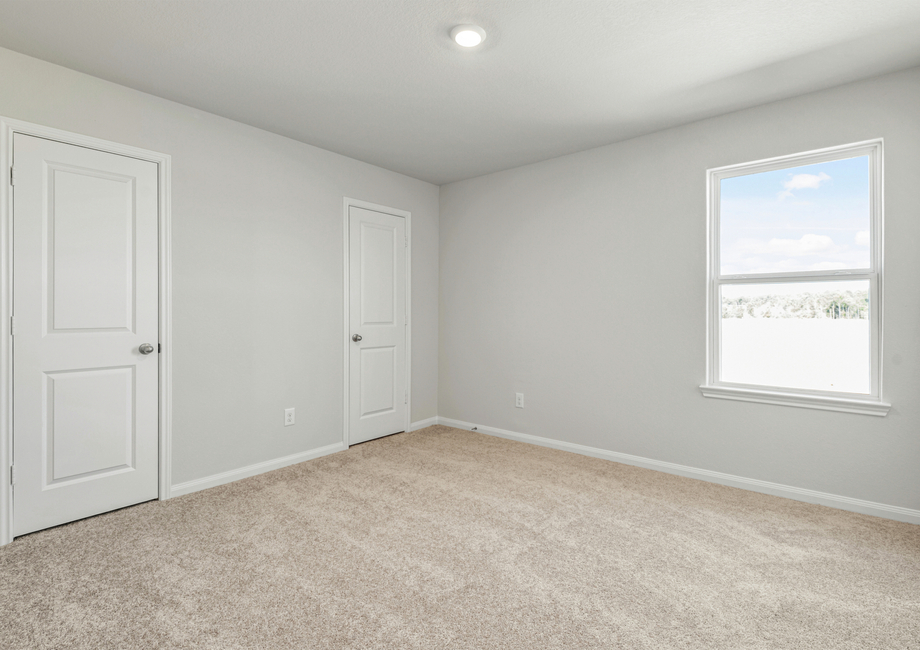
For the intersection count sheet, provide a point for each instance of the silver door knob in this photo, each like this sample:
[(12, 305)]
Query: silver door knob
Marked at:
[(146, 348), (356, 338)]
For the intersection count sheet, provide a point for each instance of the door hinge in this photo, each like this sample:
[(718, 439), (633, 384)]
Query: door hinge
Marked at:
[(12, 475), (407, 398), (12, 175), (159, 347), (12, 325)]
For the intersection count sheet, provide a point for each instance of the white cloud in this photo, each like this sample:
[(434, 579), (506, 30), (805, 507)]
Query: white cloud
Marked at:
[(756, 266), (807, 245), (827, 266), (862, 238), (806, 181), (803, 182), (788, 288), (812, 252)]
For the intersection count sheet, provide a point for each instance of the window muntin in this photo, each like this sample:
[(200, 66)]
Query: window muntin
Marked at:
[(795, 277)]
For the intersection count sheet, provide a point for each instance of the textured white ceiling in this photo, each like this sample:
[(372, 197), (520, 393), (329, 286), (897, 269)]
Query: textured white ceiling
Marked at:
[(380, 80)]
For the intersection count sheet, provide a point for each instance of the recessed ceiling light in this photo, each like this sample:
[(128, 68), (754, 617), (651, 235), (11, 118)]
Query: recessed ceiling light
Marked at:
[(468, 35)]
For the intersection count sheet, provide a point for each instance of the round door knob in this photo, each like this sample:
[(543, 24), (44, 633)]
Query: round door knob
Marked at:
[(356, 338), (146, 348)]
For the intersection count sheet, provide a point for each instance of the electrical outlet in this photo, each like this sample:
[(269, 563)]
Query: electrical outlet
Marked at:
[(288, 417), (519, 400)]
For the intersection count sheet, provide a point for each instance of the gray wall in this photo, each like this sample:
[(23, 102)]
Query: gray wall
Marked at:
[(257, 265), (580, 281)]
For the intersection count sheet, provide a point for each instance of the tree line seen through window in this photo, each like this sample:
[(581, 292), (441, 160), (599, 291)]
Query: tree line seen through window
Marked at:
[(836, 304)]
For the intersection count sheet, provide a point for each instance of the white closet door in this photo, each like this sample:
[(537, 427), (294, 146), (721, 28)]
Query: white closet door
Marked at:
[(85, 397), (377, 313)]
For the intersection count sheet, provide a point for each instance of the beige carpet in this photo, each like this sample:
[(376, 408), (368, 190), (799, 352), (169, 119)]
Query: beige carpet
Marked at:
[(451, 539)]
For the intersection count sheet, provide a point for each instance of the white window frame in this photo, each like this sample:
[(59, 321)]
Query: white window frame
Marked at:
[(871, 404)]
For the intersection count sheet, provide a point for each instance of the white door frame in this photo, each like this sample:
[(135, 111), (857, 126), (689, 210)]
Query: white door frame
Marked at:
[(346, 334), (7, 128)]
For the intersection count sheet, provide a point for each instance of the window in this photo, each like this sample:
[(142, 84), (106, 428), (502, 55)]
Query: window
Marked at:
[(795, 280)]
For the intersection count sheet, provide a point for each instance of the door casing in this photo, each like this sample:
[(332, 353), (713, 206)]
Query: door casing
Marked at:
[(163, 161), (346, 332)]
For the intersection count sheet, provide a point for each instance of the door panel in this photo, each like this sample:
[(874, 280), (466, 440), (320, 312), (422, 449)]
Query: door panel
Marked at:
[(85, 401), (378, 286), (90, 292), (378, 380), (89, 422), (377, 313)]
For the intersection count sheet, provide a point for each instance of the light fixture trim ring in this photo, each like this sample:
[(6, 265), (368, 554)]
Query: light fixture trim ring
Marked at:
[(460, 29)]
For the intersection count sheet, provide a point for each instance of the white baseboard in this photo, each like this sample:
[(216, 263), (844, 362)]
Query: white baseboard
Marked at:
[(755, 485), (421, 424), (260, 468), (896, 513), (252, 470)]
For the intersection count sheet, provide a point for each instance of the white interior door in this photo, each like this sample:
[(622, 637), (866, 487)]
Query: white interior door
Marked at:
[(85, 397), (378, 391)]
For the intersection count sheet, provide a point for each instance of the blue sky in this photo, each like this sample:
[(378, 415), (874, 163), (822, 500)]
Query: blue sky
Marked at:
[(809, 218)]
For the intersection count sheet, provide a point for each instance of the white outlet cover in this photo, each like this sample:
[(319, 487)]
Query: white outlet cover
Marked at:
[(288, 417), (519, 400)]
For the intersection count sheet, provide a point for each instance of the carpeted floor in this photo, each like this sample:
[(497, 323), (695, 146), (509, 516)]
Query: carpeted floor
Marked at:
[(445, 538)]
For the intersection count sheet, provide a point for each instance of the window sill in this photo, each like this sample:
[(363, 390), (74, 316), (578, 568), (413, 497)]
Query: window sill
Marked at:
[(843, 404)]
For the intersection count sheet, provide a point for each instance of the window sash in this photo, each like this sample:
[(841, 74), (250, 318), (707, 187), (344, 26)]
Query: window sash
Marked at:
[(874, 322)]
